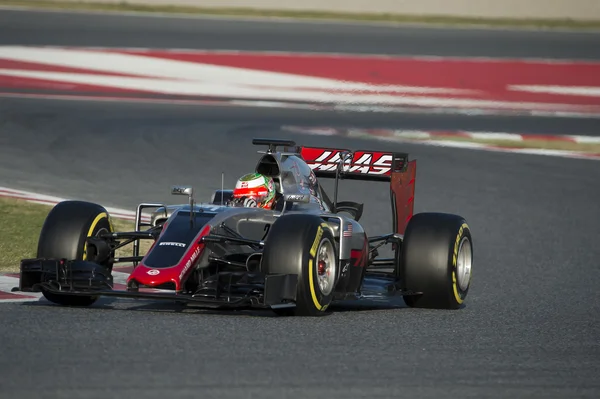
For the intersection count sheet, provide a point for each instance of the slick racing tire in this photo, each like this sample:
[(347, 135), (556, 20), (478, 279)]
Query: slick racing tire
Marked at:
[(436, 259), (303, 245), (64, 235)]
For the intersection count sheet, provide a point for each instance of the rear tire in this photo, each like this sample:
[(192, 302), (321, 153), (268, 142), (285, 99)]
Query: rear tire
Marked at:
[(64, 235), (436, 259), (297, 244)]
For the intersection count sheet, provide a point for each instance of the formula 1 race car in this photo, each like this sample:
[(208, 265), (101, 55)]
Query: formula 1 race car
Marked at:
[(298, 258)]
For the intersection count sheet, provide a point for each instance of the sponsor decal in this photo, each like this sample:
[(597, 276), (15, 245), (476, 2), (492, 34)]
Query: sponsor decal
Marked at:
[(345, 269), (297, 197), (347, 230), (372, 163), (458, 296), (313, 249), (173, 244), (181, 190), (190, 262)]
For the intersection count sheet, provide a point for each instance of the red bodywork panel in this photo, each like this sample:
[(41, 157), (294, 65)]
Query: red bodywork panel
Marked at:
[(156, 276), (366, 165)]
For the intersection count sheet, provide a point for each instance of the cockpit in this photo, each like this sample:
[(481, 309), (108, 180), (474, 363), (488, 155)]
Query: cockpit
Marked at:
[(292, 176)]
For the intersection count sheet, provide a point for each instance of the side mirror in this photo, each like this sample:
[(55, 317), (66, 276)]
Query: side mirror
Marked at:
[(185, 190), (182, 190)]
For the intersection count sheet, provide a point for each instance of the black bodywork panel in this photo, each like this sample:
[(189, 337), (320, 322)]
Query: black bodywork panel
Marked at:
[(226, 289), (172, 245)]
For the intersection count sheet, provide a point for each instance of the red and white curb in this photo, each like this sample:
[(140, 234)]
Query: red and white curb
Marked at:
[(282, 79), (443, 139)]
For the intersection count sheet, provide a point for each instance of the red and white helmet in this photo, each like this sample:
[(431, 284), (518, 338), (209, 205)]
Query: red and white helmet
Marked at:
[(256, 190)]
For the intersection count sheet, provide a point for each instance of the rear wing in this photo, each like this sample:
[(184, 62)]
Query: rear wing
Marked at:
[(359, 165), (393, 167)]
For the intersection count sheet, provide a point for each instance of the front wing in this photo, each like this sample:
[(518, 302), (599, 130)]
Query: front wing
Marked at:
[(81, 278)]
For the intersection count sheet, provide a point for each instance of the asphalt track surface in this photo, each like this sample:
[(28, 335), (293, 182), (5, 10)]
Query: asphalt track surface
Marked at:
[(530, 326), (76, 29), (529, 329)]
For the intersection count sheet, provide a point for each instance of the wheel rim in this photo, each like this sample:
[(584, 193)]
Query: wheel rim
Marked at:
[(463, 263), (326, 266), (101, 230)]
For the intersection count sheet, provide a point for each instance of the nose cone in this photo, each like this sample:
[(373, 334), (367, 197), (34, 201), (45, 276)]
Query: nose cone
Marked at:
[(154, 277)]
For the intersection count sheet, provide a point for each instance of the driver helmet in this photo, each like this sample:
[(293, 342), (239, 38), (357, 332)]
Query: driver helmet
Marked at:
[(255, 190)]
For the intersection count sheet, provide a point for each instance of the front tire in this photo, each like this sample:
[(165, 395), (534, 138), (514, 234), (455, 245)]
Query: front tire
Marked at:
[(64, 235), (436, 259), (303, 245)]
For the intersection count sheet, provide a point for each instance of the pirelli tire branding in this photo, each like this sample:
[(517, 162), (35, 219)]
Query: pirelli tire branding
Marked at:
[(459, 293), (320, 301)]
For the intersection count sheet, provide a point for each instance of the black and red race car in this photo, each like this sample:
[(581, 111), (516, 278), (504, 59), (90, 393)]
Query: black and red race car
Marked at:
[(307, 253)]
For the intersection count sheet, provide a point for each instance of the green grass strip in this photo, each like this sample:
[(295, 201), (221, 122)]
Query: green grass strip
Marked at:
[(21, 225)]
